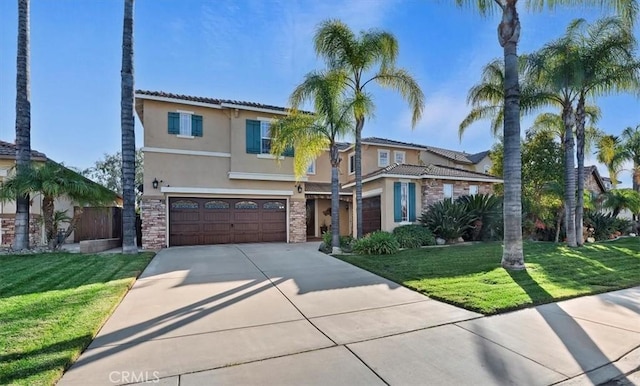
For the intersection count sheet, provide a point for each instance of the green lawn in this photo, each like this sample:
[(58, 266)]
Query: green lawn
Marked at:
[(470, 276), (51, 306)]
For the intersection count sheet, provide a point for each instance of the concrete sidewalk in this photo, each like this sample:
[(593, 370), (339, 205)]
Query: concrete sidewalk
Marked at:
[(287, 314)]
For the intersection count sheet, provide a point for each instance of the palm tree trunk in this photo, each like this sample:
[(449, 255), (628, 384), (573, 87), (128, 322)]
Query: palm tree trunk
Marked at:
[(128, 135), (358, 165), (47, 214), (580, 135), (569, 175), (335, 198), (23, 124), (508, 35), (558, 225)]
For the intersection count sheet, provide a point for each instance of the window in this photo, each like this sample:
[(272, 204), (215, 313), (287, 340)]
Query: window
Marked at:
[(185, 124), (399, 157), (265, 137), (487, 168), (448, 190), (311, 169), (473, 190), (352, 163), (383, 158), (404, 199)]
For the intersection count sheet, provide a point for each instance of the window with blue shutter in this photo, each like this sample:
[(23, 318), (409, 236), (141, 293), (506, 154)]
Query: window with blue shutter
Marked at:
[(397, 202), (253, 137), (404, 202), (412, 202), (196, 125), (185, 124)]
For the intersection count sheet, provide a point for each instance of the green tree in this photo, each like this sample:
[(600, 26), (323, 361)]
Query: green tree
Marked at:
[(631, 140), (128, 135), (108, 172), (508, 37), (358, 61), (53, 181), (617, 200), (23, 123), (612, 154), (310, 135)]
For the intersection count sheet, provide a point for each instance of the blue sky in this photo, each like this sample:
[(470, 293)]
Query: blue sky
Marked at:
[(255, 50)]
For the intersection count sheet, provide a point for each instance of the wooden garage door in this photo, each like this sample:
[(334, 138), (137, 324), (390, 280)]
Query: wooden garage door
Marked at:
[(371, 218), (198, 221)]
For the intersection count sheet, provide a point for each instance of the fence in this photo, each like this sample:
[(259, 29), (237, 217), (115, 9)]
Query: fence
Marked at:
[(99, 223)]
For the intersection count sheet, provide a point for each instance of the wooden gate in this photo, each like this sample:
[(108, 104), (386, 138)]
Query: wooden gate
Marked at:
[(99, 223)]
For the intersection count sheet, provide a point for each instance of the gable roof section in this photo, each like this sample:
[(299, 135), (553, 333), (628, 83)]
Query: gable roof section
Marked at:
[(596, 174), (207, 102), (390, 142), (321, 188), (475, 158), (456, 156), (8, 151), (429, 171)]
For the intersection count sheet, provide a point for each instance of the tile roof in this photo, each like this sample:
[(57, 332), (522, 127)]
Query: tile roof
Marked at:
[(343, 145), (213, 101), (316, 187), (8, 150), (457, 156), (384, 141), (429, 170), (475, 158), (593, 169)]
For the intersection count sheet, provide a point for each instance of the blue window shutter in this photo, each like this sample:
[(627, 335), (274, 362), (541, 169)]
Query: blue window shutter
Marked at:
[(412, 201), (174, 123), (253, 137), (289, 152), (196, 125), (397, 202)]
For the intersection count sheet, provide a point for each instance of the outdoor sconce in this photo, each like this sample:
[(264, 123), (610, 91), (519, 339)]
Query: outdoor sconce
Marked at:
[(299, 188), (155, 183)]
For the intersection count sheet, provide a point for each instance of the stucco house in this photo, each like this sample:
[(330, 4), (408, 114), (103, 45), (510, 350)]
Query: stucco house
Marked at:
[(8, 209), (209, 177)]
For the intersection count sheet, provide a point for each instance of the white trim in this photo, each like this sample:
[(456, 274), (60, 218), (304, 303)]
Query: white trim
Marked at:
[(185, 136), (372, 193), (394, 146), (329, 193), (404, 156), (496, 180), (313, 163), (247, 192), (347, 148), (269, 156), (185, 112), (251, 108), (349, 163), (176, 100), (289, 219), (388, 152), (264, 177), (185, 152), (265, 119), (350, 184), (167, 220)]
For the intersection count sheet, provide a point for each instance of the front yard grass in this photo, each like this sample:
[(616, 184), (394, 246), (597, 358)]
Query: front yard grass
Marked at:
[(470, 276), (52, 305)]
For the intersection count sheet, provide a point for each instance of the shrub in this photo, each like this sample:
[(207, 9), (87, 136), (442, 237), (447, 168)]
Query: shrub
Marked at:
[(346, 243), (413, 236), (448, 219), (487, 208), (623, 225), (377, 243), (603, 224)]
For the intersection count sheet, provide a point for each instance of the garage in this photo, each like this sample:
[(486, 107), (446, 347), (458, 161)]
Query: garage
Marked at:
[(201, 221), (371, 214)]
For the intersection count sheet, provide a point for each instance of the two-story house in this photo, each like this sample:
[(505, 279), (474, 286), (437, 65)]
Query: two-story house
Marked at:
[(210, 178)]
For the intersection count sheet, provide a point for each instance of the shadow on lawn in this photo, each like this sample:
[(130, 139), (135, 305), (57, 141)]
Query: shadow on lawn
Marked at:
[(582, 348), (58, 357)]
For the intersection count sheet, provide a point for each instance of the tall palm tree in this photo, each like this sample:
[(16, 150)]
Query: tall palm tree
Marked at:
[(23, 124), (359, 61), (631, 138), (310, 135), (128, 135), (508, 37), (53, 181), (612, 154), (552, 123)]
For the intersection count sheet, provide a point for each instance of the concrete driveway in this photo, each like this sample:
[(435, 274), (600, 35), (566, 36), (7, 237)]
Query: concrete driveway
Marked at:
[(287, 314)]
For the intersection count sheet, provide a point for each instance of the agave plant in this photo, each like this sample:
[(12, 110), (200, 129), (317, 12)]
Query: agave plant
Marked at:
[(487, 208), (448, 219)]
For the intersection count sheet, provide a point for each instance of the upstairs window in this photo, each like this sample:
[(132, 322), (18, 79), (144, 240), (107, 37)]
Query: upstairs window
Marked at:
[(399, 157), (311, 169), (258, 138), (383, 158), (447, 190), (265, 137), (184, 123), (352, 163)]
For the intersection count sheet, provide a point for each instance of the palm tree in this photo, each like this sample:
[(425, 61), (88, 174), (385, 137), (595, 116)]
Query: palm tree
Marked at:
[(508, 37), (353, 58), (612, 154), (23, 124), (310, 135), (128, 135), (631, 138), (619, 199), (52, 181), (552, 123)]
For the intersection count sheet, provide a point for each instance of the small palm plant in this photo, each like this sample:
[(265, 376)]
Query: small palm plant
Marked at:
[(448, 219), (487, 209)]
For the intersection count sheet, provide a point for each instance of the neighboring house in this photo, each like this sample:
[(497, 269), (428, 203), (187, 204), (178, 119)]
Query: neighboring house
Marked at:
[(209, 177), (8, 209), (593, 182)]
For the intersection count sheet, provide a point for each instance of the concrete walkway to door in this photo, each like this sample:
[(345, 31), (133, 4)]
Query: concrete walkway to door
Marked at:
[(287, 314)]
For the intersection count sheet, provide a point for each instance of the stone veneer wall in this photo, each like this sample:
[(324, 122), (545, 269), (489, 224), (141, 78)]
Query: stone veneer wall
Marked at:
[(153, 214), (433, 190), (8, 230), (297, 221), (591, 184)]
